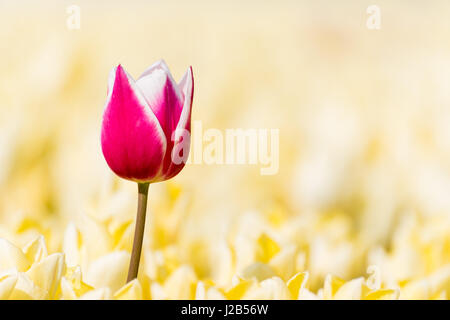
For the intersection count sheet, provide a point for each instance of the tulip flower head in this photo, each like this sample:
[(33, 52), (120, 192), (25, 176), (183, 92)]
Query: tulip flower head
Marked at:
[(146, 123), (146, 133)]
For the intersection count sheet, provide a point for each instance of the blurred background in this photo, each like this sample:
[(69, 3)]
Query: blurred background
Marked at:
[(363, 116)]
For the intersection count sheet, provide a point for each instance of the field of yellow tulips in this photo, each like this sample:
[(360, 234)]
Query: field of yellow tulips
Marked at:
[(356, 100)]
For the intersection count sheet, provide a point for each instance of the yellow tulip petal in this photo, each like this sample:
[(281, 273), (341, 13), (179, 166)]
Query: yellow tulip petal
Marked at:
[(67, 291), (131, 291), (72, 243), (74, 276), (258, 271), (266, 248), (181, 284), (97, 294), (36, 250), (109, 271), (351, 290), (26, 289), (157, 291), (238, 290), (214, 294), (296, 283), (7, 284), (284, 262), (123, 237), (416, 290), (277, 288), (47, 273), (200, 291), (331, 286), (383, 294), (269, 289), (305, 294), (12, 257)]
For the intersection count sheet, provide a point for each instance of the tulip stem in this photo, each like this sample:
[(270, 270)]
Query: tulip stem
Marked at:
[(139, 231)]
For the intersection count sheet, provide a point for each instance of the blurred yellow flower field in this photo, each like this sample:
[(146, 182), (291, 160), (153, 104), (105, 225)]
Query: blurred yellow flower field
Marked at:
[(360, 205)]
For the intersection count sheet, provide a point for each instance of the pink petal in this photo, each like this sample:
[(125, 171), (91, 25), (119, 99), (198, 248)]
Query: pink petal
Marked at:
[(180, 139), (163, 95), (133, 141), (166, 100)]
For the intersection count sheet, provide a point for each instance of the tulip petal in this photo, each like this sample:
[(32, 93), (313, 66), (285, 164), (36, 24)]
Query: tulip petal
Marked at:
[(97, 294), (26, 289), (133, 141), (109, 271), (181, 135), (131, 291), (12, 257), (7, 284), (186, 86), (162, 94), (36, 250), (166, 100), (47, 273), (180, 285)]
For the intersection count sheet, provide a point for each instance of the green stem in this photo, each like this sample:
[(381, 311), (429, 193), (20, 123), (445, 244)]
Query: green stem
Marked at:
[(139, 231)]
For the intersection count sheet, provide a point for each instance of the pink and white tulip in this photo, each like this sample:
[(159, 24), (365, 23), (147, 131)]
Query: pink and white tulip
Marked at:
[(146, 123)]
